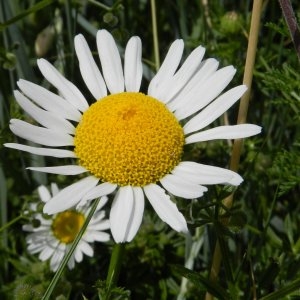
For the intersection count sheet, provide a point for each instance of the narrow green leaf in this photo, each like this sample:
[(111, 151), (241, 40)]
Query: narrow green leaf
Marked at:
[(288, 289), (225, 256), (212, 287), (32, 9)]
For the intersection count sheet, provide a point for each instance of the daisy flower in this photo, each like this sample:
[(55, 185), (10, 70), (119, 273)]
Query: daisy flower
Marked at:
[(53, 238), (127, 142)]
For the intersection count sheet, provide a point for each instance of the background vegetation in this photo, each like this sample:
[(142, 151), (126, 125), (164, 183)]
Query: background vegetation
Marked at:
[(260, 245)]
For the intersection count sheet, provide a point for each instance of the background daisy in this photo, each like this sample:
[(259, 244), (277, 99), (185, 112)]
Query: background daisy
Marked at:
[(53, 236)]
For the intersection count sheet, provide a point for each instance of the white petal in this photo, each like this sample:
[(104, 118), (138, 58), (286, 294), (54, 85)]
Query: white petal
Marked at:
[(78, 255), (71, 262), (214, 110), (68, 90), (167, 69), (100, 226), (182, 188), (165, 208), (110, 62), (88, 68), (40, 135), (45, 118), (46, 253), (86, 248), (54, 189), (121, 213), (137, 214), (207, 67), (100, 190), (171, 87), (60, 153), (56, 260), (101, 204), (70, 196), (97, 236), (224, 132), (133, 69), (61, 170), (49, 101), (206, 92), (204, 174), (44, 193)]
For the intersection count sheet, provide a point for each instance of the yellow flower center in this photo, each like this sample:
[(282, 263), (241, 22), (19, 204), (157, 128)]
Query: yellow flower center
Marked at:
[(66, 225), (129, 139)]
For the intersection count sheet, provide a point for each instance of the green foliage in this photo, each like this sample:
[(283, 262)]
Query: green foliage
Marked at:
[(259, 236)]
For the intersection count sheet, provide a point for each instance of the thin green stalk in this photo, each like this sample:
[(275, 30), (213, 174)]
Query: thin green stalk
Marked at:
[(13, 221), (242, 116), (114, 268), (70, 252), (155, 35)]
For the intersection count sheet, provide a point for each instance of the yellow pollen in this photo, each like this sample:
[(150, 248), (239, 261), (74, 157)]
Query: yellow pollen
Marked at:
[(129, 139), (66, 225)]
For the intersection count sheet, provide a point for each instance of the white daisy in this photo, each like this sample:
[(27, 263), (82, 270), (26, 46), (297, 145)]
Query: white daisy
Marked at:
[(53, 238), (126, 141)]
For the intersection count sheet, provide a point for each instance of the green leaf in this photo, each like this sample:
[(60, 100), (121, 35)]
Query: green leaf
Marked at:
[(212, 287), (288, 289)]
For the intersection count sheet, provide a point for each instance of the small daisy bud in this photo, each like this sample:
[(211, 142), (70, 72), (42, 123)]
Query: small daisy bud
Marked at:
[(231, 23)]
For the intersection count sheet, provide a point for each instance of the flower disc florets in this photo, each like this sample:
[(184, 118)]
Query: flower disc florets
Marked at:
[(66, 225), (129, 139)]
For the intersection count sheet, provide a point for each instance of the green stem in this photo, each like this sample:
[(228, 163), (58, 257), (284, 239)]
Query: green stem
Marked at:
[(155, 36), (8, 224), (114, 268), (70, 252)]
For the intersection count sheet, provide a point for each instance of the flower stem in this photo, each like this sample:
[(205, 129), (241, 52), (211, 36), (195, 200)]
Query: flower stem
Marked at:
[(10, 223), (114, 268), (155, 37), (242, 116)]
